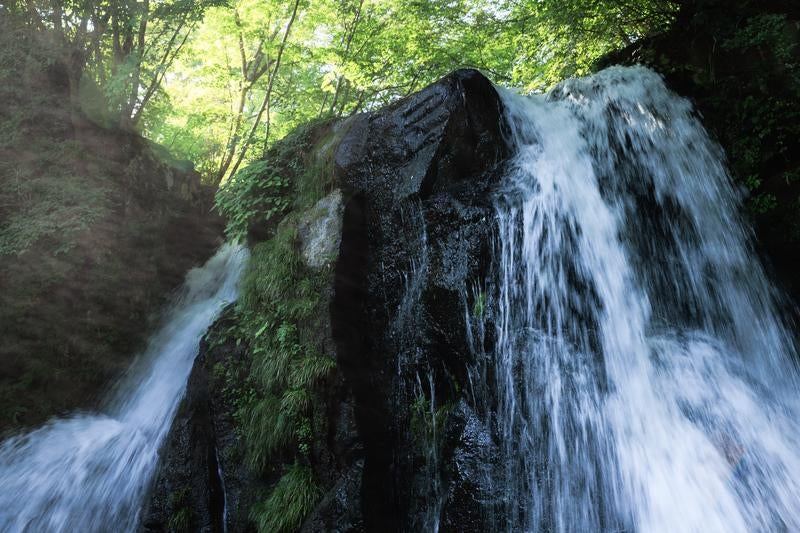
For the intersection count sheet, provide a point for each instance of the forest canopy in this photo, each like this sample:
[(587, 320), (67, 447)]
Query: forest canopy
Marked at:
[(217, 81)]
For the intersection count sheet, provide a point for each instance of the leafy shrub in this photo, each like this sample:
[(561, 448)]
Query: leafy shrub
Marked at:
[(257, 193), (766, 29), (289, 175)]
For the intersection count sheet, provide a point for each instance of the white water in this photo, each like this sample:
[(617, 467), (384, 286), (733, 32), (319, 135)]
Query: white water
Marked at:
[(90, 472), (645, 379)]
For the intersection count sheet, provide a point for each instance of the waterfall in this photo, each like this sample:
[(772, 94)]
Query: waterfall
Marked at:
[(91, 472), (642, 376)]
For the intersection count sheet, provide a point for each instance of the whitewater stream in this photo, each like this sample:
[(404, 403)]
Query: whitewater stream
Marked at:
[(91, 472), (645, 379)]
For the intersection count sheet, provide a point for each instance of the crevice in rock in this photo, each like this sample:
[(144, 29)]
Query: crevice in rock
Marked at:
[(216, 488), (349, 318)]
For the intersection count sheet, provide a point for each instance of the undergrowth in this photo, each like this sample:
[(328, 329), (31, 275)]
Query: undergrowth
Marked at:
[(769, 120), (279, 298), (289, 502), (47, 198), (292, 175), (276, 318)]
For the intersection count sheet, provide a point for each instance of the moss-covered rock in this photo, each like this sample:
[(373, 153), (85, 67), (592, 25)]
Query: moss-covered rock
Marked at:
[(353, 312)]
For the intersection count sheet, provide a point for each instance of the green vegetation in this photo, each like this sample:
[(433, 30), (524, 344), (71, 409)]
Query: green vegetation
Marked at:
[(49, 201), (218, 82), (426, 422), (255, 93), (762, 125), (479, 307), (180, 519), (289, 177), (289, 502), (278, 317), (280, 298), (741, 65)]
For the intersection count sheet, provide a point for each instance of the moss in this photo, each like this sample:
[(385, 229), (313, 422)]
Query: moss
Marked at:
[(180, 518)]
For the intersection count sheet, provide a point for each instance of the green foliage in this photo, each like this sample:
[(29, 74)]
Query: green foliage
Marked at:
[(279, 295), (58, 209), (202, 76), (291, 175), (288, 504), (256, 194), (558, 39), (768, 29), (426, 420), (479, 307), (180, 518), (279, 301), (759, 115), (347, 56)]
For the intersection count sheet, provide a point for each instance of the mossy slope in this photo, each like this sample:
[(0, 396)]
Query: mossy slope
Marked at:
[(97, 227)]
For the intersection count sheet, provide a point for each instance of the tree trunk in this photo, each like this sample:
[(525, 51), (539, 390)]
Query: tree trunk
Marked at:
[(346, 55), (266, 102)]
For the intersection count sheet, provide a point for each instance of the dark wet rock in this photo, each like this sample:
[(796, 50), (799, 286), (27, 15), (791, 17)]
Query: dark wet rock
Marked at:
[(419, 175), (186, 493), (202, 481), (340, 508), (472, 498)]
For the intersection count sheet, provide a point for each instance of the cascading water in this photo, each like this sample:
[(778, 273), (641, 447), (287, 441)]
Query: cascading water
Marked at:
[(91, 472), (643, 378)]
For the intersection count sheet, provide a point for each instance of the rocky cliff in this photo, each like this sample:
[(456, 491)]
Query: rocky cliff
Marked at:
[(378, 263)]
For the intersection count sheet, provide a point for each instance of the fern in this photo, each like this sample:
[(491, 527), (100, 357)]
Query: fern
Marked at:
[(310, 370), (280, 303), (268, 428), (289, 503)]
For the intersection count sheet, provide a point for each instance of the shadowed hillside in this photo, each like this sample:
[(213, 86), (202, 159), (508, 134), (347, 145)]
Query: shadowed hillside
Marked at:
[(97, 226)]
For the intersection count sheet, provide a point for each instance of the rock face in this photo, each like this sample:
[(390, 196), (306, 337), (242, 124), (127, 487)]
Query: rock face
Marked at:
[(202, 484), (415, 242), (320, 231), (406, 229)]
